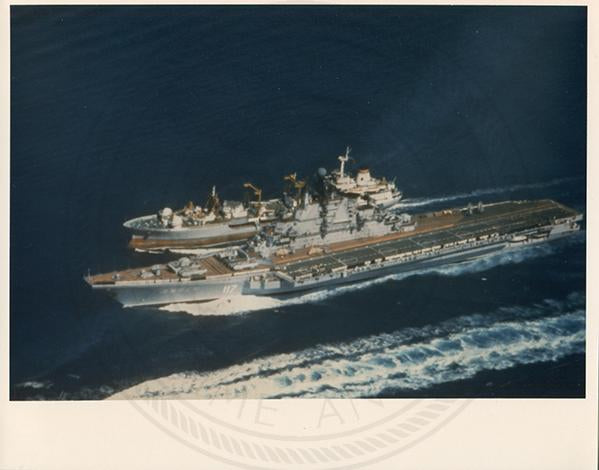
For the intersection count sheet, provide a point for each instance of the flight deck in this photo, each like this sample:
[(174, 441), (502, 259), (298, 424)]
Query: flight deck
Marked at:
[(496, 220)]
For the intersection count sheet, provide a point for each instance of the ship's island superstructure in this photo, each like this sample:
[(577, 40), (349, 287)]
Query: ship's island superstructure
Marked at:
[(325, 235)]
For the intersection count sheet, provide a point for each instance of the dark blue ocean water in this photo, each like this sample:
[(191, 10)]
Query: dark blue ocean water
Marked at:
[(118, 111)]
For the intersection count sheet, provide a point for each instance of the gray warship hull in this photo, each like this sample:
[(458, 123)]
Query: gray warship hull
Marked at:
[(444, 241), (208, 235), (202, 291)]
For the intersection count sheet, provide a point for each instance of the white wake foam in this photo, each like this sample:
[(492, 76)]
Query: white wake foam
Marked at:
[(237, 305), (412, 358), (34, 384), (226, 306), (419, 202)]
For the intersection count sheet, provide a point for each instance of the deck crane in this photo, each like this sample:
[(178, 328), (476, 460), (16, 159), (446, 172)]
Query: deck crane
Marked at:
[(297, 184), (257, 191)]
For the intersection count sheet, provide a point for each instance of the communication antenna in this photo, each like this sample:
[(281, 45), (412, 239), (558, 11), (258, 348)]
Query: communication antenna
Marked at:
[(343, 160), (213, 203)]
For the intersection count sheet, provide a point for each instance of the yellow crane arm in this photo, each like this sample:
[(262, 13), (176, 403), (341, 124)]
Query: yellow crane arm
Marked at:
[(257, 191), (297, 184)]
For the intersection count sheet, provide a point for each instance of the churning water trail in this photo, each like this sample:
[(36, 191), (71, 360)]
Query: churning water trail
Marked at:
[(408, 359), (34, 384), (233, 305), (237, 305), (419, 202)]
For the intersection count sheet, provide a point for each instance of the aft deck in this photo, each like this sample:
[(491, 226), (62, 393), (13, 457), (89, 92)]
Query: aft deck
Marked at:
[(434, 231)]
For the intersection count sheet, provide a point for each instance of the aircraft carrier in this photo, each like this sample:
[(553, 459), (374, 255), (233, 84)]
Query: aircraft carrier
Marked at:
[(332, 238)]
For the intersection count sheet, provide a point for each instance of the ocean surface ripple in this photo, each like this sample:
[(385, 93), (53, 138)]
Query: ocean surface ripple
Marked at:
[(427, 201)]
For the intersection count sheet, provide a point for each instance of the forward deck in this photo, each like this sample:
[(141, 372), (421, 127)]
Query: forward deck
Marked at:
[(213, 266)]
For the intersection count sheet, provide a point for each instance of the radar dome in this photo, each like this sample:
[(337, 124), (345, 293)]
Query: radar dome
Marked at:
[(322, 172)]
